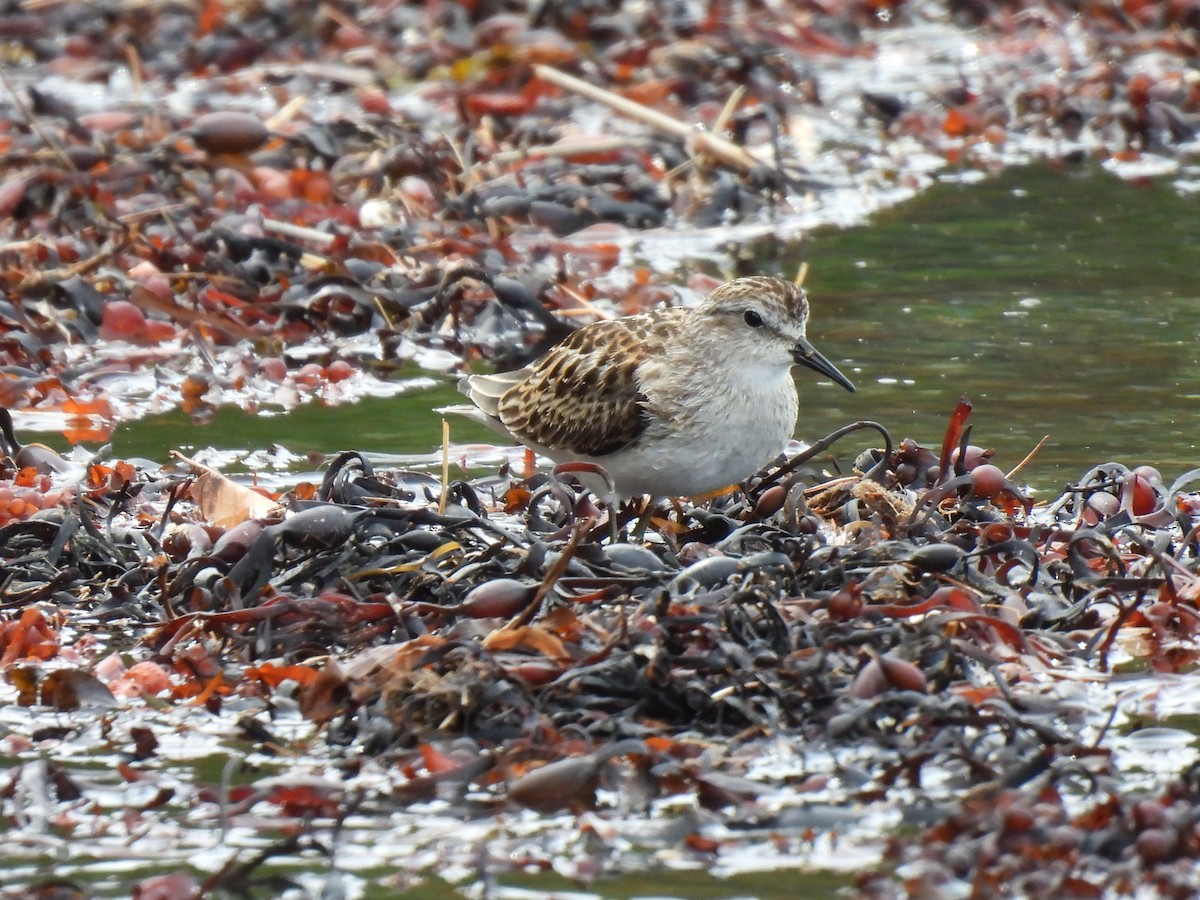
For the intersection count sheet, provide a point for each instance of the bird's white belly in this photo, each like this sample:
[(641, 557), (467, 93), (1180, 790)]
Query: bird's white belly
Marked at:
[(718, 444)]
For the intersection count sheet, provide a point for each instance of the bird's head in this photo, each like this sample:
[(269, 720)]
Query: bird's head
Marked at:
[(765, 320)]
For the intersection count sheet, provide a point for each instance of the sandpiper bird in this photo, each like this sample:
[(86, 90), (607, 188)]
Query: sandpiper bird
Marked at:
[(674, 402)]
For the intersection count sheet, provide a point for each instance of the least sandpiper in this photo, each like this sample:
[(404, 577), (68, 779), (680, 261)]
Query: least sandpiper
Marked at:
[(675, 402)]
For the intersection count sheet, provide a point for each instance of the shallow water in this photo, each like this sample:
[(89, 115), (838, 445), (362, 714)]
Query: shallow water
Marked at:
[(1060, 302)]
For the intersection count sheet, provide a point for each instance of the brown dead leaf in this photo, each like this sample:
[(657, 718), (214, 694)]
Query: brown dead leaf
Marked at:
[(528, 637), (386, 661), (65, 689), (222, 501), (61, 689), (326, 696), (147, 300)]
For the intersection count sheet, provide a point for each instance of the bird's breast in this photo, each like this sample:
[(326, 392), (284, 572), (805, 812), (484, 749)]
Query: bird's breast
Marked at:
[(733, 417)]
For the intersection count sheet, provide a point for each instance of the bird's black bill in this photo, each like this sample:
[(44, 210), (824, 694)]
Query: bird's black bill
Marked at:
[(806, 354)]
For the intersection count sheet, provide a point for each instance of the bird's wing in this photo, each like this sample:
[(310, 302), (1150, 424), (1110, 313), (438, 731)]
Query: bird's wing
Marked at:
[(585, 395), (485, 391)]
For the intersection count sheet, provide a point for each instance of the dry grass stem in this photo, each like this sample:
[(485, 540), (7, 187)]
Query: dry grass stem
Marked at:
[(724, 150)]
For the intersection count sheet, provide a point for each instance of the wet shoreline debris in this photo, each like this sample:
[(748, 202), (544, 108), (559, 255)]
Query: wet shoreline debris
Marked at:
[(499, 651), (218, 203)]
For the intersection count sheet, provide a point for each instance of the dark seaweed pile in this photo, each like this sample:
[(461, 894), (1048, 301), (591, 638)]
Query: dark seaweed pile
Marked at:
[(499, 646)]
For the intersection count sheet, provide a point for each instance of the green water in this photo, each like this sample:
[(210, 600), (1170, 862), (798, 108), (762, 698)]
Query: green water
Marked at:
[(1061, 302), (403, 424), (1104, 360)]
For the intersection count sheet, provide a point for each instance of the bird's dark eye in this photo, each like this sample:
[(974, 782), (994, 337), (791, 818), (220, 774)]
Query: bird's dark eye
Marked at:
[(753, 319)]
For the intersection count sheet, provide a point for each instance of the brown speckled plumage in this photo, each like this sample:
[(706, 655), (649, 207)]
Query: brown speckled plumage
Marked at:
[(584, 396), (690, 399)]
